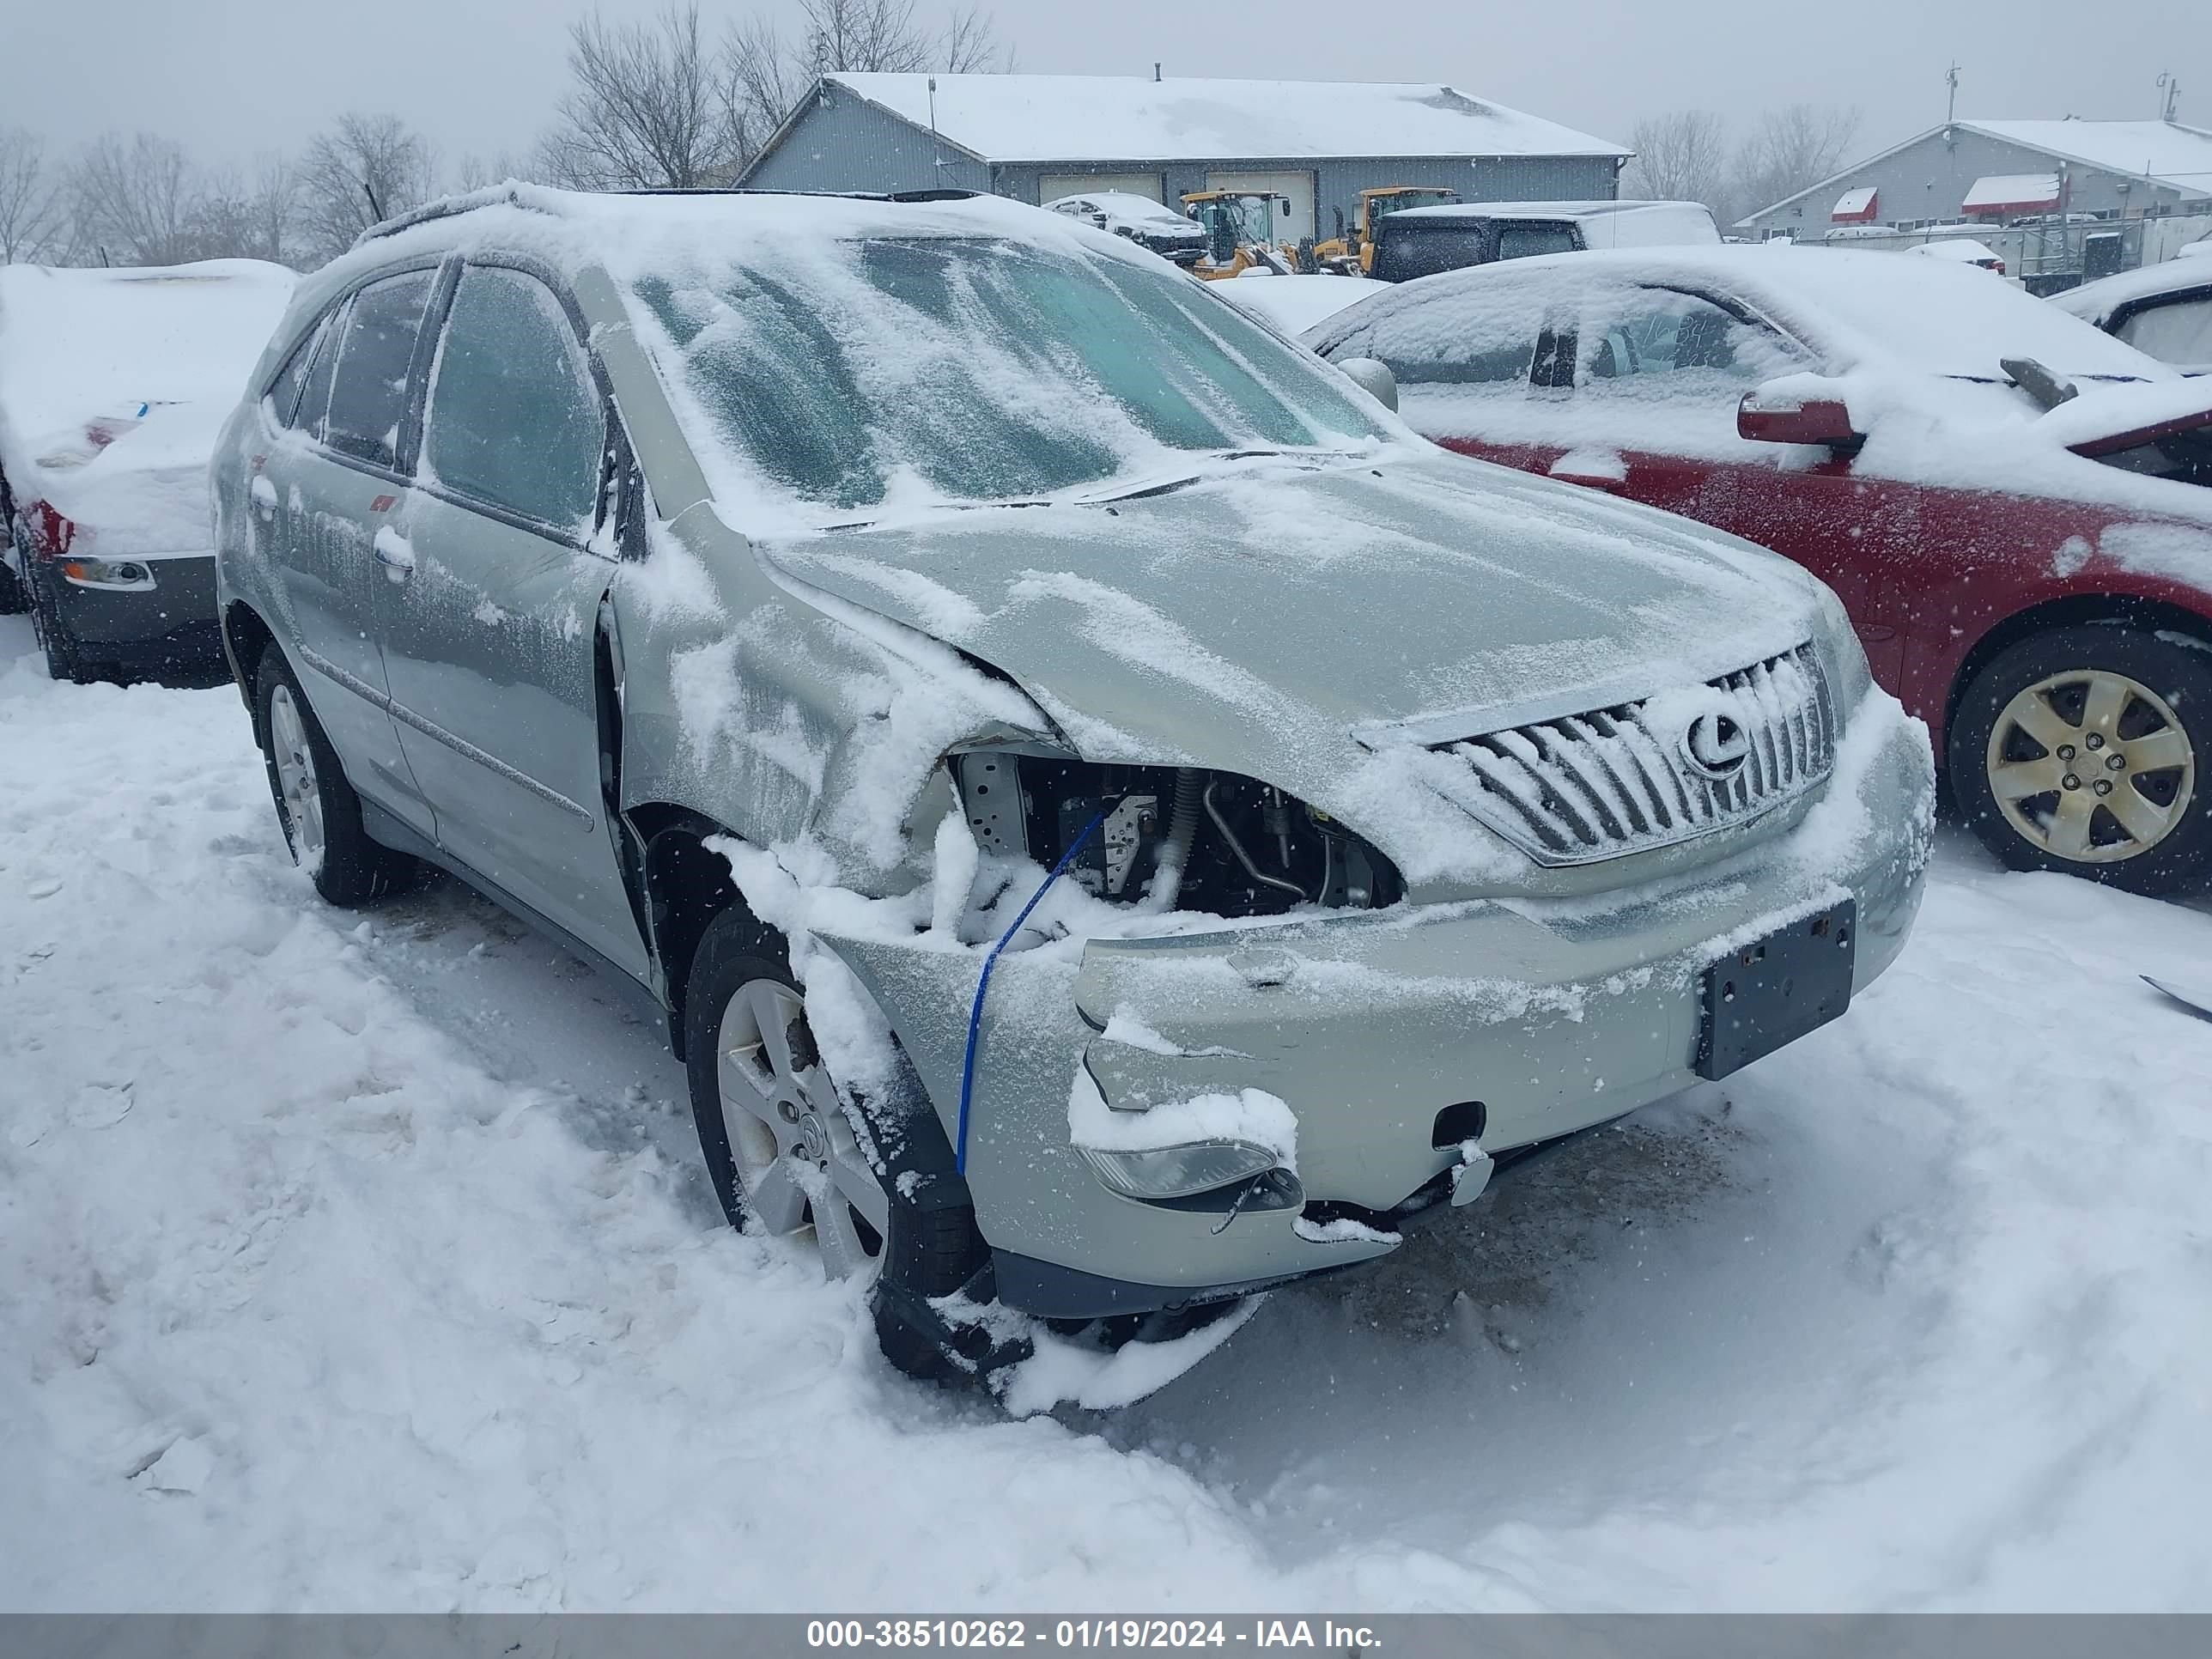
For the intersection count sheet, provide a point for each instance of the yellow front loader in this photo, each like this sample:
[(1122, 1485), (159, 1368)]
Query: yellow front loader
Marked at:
[(1240, 228), (1351, 252)]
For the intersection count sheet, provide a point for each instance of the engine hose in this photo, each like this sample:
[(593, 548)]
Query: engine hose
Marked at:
[(1243, 857), (983, 984), (1175, 851)]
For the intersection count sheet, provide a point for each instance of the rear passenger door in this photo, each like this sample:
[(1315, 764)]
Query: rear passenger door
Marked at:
[(491, 633), (321, 498)]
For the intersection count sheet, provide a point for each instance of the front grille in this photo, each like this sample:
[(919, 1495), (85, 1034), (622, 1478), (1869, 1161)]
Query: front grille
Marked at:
[(1622, 780)]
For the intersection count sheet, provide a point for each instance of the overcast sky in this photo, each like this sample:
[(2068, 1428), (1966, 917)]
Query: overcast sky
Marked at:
[(229, 77)]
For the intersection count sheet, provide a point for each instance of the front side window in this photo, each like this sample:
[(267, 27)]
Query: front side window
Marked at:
[(515, 421), (973, 369), (368, 389), (1659, 343)]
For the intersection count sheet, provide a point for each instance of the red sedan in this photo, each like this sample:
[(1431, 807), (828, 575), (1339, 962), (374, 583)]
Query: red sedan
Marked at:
[(2014, 507)]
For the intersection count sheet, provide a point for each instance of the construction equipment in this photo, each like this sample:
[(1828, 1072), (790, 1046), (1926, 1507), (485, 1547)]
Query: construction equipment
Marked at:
[(1240, 229), (1351, 252)]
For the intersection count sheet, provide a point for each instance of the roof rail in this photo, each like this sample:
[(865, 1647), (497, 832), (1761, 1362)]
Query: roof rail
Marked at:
[(447, 207), (528, 197)]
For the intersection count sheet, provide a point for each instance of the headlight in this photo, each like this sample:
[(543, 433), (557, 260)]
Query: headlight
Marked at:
[(121, 575), (1184, 1171), (1843, 656)]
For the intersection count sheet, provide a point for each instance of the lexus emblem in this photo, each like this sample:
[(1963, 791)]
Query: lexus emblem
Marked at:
[(1716, 745)]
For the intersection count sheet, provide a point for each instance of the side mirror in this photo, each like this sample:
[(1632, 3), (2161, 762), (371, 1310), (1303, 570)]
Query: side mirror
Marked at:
[(1777, 415), (1373, 376)]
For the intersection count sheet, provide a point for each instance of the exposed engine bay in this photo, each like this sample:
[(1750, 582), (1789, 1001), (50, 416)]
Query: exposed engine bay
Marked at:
[(1171, 838)]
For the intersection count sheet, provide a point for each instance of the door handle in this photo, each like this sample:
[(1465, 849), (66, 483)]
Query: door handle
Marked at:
[(394, 554)]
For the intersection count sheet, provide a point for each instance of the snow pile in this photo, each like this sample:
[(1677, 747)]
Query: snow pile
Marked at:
[(359, 1262), (1296, 303), (153, 359)]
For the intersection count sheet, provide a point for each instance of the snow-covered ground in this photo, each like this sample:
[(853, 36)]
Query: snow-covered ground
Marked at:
[(353, 1262)]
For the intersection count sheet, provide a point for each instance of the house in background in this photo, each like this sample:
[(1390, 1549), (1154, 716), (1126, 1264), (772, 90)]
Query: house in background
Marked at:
[(1036, 138), (2060, 200)]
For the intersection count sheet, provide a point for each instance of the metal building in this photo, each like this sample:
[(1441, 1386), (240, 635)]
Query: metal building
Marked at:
[(2049, 196), (1035, 138)]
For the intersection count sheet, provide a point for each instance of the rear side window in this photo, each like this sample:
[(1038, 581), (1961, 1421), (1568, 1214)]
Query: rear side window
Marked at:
[(2179, 333), (284, 391), (315, 394), (1483, 335), (1527, 241), (368, 392), (514, 420)]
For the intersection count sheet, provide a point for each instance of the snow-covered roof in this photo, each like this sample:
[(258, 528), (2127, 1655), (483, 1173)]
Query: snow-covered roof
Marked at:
[(2164, 150), (2176, 157), (2003, 192), (1854, 205), (1102, 117)]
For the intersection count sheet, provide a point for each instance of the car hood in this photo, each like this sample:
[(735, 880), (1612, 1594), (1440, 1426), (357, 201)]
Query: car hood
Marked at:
[(1291, 622)]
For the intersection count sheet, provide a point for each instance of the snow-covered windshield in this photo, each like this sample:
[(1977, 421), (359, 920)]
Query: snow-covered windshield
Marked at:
[(845, 374)]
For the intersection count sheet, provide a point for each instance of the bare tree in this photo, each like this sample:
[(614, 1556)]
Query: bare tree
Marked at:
[(763, 81), (969, 45), (1792, 150), (767, 73), (649, 109), (365, 170), (474, 172), (133, 202), (30, 206), (1681, 157), (272, 205)]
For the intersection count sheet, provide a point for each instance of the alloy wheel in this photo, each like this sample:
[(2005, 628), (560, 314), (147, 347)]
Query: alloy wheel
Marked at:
[(295, 777), (2091, 766), (797, 1162)]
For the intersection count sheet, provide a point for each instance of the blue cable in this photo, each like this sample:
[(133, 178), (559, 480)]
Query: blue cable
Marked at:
[(982, 985)]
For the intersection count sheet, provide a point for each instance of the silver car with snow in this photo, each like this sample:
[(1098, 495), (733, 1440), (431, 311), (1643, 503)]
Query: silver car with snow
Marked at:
[(1112, 820)]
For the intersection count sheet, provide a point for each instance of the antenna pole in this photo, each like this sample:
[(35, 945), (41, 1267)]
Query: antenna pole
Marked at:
[(1951, 79)]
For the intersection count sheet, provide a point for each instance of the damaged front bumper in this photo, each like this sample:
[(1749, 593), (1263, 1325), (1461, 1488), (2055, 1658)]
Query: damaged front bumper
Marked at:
[(1385, 1034)]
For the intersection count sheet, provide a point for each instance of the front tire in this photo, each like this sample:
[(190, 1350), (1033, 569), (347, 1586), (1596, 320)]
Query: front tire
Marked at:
[(779, 1148), (319, 809), (2082, 751)]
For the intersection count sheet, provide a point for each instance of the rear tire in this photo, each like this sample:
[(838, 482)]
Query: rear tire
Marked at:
[(2084, 751), (318, 807), (13, 601), (65, 658)]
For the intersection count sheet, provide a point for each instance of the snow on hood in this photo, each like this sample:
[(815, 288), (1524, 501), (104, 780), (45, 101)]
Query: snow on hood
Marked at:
[(1233, 623), (158, 354)]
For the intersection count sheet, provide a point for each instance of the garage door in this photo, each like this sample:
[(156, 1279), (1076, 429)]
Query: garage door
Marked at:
[(1053, 185), (1298, 223)]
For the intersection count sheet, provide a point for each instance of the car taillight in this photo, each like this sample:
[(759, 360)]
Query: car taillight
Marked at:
[(51, 534)]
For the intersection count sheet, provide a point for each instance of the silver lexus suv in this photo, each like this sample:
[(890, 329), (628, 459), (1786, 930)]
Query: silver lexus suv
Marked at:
[(1112, 820)]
